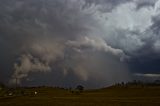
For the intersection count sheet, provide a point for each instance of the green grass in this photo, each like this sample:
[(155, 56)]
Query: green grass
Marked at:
[(149, 96)]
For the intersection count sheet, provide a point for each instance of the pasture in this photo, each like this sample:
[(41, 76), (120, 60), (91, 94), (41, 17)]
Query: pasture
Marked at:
[(46, 96)]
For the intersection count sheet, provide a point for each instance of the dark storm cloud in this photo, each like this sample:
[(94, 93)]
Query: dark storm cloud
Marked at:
[(145, 3), (106, 5), (35, 36), (24, 23), (88, 41)]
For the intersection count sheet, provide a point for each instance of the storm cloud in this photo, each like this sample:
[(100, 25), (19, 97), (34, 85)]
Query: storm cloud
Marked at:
[(93, 42)]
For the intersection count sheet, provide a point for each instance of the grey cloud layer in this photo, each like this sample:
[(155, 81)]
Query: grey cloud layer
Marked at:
[(45, 34)]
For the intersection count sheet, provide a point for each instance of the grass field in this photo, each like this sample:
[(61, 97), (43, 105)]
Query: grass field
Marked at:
[(149, 96)]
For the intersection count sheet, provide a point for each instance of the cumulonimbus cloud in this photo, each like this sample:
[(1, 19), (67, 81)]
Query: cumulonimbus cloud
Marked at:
[(97, 44), (28, 64), (47, 33)]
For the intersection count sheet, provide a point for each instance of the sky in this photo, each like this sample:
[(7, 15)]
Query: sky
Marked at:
[(95, 43)]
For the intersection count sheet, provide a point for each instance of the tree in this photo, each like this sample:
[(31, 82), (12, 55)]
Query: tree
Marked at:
[(80, 88)]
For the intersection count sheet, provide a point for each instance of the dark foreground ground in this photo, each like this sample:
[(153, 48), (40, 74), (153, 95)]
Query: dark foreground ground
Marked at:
[(149, 96)]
